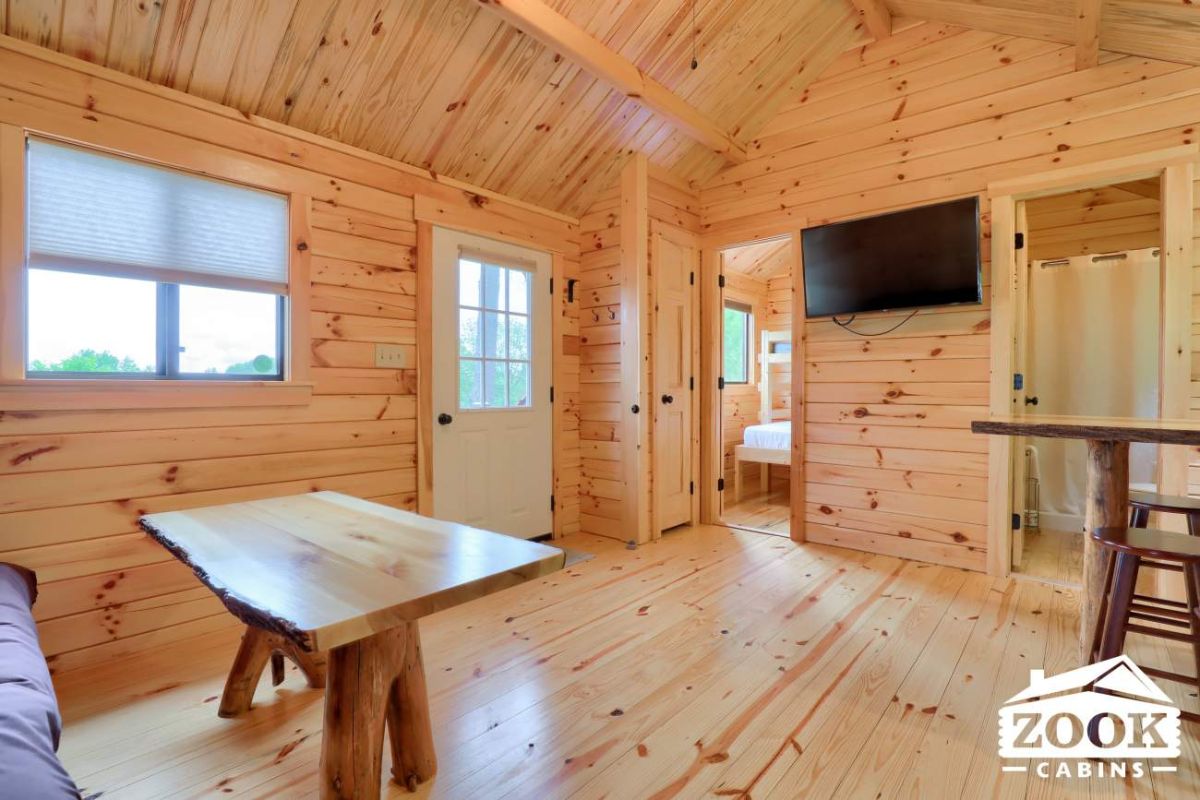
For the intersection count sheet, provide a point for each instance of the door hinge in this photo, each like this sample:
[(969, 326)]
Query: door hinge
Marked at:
[(720, 383), (552, 286), (691, 487), (1020, 240), (692, 383), (1016, 522), (691, 279), (551, 394), (720, 484), (721, 281), (551, 502)]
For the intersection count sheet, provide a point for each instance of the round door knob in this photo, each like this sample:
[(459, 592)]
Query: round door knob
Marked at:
[(635, 408), (445, 419), (667, 399)]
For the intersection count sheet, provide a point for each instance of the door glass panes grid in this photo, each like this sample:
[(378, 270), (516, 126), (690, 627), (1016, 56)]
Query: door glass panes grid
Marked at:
[(494, 305)]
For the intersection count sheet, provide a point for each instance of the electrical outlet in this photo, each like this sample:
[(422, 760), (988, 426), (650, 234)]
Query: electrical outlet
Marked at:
[(393, 356)]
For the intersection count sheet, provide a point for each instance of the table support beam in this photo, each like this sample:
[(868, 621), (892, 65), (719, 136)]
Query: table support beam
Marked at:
[(257, 647), (1107, 505), (372, 681)]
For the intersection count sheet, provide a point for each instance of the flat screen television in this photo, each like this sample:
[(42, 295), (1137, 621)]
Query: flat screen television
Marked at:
[(916, 258)]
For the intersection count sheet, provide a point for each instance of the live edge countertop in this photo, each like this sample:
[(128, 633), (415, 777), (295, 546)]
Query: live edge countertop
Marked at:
[(1107, 429)]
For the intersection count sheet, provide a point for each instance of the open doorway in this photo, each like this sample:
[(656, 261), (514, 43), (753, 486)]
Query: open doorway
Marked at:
[(756, 363), (1089, 345)]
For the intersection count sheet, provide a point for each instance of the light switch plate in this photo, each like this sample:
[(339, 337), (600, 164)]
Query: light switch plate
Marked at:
[(392, 356)]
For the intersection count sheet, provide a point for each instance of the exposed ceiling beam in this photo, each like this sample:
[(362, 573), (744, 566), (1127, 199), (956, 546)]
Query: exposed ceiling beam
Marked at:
[(543, 23), (875, 16), (1087, 34)]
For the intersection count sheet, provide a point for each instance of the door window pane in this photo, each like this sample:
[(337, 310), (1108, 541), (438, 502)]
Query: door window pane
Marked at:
[(518, 384), (493, 286), (470, 384), (495, 383), (468, 333), (495, 337)]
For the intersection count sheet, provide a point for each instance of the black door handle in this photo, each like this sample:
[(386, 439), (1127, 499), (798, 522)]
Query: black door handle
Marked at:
[(666, 398), (445, 419), (1031, 401)]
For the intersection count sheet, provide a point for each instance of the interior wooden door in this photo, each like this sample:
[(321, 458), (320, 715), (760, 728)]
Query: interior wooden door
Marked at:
[(1020, 362), (673, 266)]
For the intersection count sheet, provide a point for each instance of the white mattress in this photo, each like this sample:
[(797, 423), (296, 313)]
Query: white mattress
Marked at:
[(772, 436)]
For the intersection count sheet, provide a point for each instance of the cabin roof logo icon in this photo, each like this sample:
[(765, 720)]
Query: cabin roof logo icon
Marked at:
[(1108, 710)]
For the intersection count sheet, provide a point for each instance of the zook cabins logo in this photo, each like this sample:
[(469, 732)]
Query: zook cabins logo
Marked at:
[(1105, 720)]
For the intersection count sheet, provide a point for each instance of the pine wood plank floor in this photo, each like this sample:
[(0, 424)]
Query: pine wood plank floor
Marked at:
[(714, 663), (769, 513)]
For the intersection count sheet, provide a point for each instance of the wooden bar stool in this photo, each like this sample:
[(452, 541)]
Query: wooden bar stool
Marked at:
[(1142, 503), (1122, 610)]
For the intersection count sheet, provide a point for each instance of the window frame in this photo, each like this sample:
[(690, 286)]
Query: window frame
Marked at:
[(509, 265), (747, 311), (22, 389)]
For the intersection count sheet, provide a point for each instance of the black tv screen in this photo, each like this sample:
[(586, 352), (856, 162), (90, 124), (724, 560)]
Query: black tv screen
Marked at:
[(920, 257)]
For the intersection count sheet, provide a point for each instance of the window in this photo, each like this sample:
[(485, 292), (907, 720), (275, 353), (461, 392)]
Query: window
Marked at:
[(137, 271), (737, 367), (494, 319)]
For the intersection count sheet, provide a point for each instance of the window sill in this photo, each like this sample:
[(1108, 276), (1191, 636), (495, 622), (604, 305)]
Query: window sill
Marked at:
[(51, 394)]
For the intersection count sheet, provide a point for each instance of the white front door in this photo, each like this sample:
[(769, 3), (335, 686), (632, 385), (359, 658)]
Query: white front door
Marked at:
[(491, 384), (673, 267)]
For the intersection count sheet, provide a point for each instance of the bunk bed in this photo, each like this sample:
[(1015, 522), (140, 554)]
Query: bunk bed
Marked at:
[(770, 441)]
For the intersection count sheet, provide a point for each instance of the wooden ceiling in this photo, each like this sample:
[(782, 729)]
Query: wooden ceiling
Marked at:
[(1163, 29), (762, 260), (450, 86), (453, 87)]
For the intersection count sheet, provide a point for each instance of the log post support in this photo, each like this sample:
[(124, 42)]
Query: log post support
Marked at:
[(257, 648), (372, 681), (1107, 506)]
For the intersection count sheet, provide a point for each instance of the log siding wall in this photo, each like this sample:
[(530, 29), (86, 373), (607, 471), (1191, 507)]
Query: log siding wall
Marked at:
[(73, 483), (931, 113)]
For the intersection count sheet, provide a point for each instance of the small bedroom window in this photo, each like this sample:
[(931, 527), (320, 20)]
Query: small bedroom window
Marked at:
[(738, 337), (138, 271)]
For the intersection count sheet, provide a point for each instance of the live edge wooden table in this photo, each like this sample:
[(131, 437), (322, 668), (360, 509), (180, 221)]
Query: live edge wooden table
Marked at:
[(328, 573), (1107, 501)]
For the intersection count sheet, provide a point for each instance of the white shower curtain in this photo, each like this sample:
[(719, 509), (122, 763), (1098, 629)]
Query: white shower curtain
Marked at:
[(1093, 351)]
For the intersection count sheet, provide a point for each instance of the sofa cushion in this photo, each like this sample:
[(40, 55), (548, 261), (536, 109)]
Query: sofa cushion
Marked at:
[(29, 720)]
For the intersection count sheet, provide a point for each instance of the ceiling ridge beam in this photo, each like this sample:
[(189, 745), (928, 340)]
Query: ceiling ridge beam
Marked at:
[(555, 31), (875, 17)]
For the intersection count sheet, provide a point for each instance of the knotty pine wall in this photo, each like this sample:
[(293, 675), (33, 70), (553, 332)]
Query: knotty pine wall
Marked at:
[(601, 485), (602, 489), (72, 483), (932, 113), (1105, 220)]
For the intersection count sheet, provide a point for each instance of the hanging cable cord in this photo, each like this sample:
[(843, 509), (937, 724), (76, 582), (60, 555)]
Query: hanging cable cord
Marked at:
[(846, 325)]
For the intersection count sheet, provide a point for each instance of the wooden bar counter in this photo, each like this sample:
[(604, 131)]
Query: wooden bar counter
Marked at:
[(1107, 502)]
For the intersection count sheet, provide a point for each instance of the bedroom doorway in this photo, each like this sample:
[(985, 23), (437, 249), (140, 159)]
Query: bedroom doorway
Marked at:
[(756, 364)]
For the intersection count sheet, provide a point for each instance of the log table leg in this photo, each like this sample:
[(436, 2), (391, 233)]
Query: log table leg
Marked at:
[(257, 648), (376, 679), (413, 757), (1107, 505)]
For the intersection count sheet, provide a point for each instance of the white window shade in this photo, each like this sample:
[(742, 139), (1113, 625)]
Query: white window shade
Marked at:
[(102, 214)]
